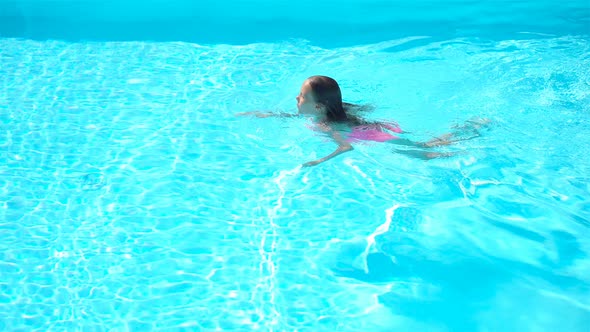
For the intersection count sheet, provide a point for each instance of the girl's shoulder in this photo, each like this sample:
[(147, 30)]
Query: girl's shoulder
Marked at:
[(320, 126)]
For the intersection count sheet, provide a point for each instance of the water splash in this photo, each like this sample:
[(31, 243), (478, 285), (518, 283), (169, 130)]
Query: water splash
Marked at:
[(371, 244), (266, 290)]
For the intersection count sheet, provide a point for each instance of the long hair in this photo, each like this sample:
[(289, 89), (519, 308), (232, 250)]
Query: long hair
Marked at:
[(326, 91)]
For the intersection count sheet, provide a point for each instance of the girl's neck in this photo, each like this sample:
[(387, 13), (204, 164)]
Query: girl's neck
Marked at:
[(320, 118)]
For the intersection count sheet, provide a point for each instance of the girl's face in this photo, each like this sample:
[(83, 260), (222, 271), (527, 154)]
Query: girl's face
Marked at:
[(306, 104)]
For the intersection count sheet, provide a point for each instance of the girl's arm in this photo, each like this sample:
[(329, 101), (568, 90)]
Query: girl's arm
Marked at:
[(268, 114), (343, 146)]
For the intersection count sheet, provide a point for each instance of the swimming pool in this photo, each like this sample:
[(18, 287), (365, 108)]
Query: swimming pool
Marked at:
[(133, 198)]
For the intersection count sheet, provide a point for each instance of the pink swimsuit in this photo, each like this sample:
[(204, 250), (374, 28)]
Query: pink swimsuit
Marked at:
[(374, 132)]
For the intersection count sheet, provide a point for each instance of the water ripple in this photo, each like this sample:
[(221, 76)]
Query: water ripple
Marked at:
[(132, 197)]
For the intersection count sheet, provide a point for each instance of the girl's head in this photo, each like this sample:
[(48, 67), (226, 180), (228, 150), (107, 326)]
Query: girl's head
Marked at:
[(320, 95)]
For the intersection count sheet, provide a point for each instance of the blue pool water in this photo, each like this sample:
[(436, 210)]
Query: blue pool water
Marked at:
[(132, 197)]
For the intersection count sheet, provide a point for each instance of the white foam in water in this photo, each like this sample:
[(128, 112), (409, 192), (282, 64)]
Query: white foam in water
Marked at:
[(358, 170), (381, 229), (137, 80), (267, 249)]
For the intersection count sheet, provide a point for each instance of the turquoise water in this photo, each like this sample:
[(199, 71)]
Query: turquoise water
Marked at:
[(132, 197), (329, 23)]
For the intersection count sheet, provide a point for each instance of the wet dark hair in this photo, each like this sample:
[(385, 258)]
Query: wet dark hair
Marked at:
[(325, 91)]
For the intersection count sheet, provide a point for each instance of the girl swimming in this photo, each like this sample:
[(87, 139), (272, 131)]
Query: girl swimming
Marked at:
[(321, 99)]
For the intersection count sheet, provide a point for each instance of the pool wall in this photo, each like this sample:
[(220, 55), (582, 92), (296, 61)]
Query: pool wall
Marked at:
[(246, 21)]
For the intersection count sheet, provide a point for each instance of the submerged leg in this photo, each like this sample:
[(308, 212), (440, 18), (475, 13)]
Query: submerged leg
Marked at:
[(464, 132), (421, 151), (427, 155)]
